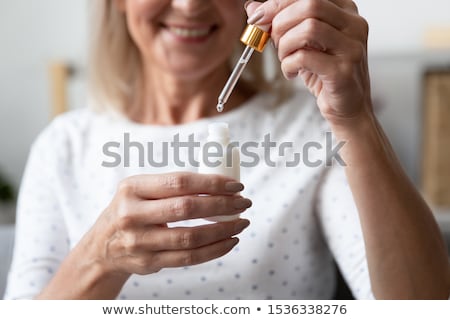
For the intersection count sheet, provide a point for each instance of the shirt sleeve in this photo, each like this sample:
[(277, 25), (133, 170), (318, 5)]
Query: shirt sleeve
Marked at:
[(341, 226), (41, 240)]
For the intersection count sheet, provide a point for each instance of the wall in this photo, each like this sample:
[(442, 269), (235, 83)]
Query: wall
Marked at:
[(32, 33), (398, 26)]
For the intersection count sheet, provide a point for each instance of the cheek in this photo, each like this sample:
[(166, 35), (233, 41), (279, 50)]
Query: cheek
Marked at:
[(148, 7), (139, 16), (234, 17), (232, 11), (141, 12)]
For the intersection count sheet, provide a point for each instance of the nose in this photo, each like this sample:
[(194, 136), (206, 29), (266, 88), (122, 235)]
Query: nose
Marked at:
[(191, 7)]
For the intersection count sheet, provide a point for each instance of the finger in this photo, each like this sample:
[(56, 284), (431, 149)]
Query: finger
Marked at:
[(349, 5), (183, 238), (266, 12), (182, 258), (323, 65), (314, 34), (186, 208), (157, 186), (322, 10)]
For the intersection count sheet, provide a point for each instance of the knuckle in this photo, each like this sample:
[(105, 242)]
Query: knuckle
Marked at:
[(187, 240), (312, 7), (147, 264), (178, 182), (153, 263), (188, 258), (353, 6), (276, 28), (124, 216), (142, 265), (126, 187), (216, 183), (365, 27), (282, 49), (278, 5), (129, 242), (183, 207), (311, 26), (223, 202)]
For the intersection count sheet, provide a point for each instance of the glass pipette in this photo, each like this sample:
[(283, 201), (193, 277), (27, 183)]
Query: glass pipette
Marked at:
[(254, 38)]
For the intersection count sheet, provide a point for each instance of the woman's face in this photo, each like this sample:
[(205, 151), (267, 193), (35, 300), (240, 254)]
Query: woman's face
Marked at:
[(189, 38)]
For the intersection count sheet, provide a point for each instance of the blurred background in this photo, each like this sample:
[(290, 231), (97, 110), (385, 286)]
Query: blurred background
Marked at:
[(42, 72)]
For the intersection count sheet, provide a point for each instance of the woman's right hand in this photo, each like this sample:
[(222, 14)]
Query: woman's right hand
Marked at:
[(132, 236)]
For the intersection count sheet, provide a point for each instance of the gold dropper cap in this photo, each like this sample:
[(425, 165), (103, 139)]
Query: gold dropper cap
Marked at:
[(255, 37)]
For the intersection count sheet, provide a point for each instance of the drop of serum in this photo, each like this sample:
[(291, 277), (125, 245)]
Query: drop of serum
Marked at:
[(220, 107)]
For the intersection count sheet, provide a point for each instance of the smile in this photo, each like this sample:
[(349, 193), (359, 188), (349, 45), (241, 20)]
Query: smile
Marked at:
[(190, 33)]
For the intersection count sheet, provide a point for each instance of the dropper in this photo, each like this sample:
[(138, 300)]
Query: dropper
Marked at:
[(255, 38)]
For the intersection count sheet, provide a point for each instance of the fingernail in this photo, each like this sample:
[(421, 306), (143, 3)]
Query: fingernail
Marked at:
[(290, 76), (256, 16), (234, 187), (241, 225), (247, 3), (242, 203), (233, 242)]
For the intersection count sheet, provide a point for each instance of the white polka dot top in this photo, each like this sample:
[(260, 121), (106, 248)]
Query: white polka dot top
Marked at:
[(303, 216)]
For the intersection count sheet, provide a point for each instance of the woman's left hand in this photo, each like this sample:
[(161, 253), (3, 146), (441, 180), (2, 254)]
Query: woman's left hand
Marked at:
[(325, 43)]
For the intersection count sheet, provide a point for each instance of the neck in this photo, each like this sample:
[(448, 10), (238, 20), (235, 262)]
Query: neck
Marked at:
[(167, 100)]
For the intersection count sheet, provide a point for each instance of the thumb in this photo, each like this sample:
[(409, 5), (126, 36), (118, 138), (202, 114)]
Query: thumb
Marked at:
[(251, 7)]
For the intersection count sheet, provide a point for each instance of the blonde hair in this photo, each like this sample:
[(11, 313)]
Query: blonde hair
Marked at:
[(115, 63)]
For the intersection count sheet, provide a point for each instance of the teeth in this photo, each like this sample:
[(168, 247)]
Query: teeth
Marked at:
[(189, 33)]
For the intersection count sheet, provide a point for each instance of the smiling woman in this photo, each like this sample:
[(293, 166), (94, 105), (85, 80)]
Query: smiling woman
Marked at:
[(131, 232)]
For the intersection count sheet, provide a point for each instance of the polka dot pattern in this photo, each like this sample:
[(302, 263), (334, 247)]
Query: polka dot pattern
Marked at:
[(301, 217)]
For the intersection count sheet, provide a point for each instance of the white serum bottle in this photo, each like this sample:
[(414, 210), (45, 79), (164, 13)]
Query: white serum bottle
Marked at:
[(218, 156)]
